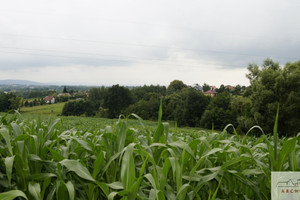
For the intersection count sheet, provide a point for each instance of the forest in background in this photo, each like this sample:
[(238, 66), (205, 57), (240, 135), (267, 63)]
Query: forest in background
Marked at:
[(271, 87)]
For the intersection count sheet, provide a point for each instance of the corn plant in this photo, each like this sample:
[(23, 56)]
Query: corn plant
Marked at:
[(44, 160)]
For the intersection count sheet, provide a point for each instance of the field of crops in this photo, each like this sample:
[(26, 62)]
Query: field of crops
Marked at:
[(47, 109), (42, 159)]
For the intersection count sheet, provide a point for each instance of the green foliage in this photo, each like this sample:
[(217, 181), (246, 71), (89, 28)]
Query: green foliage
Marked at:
[(173, 108), (46, 109), (63, 98), (185, 107), (205, 87), (242, 106), (237, 90), (12, 194), (40, 91), (145, 92), (46, 160), (221, 89), (271, 85), (39, 94), (97, 95), (79, 108), (194, 106), (9, 102), (147, 107), (176, 86), (65, 90), (117, 99), (219, 113)]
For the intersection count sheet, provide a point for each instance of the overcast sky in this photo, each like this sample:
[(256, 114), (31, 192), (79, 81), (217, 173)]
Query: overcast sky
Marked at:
[(137, 42)]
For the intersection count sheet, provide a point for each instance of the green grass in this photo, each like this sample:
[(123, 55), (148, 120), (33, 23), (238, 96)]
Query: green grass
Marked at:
[(47, 109)]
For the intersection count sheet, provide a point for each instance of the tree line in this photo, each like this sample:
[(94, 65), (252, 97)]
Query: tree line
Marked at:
[(9, 102), (271, 86)]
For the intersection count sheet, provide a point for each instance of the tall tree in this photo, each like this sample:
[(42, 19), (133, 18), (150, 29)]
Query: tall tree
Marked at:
[(97, 95), (9, 102), (271, 86), (176, 86), (117, 99), (205, 87), (65, 89), (219, 113), (195, 103)]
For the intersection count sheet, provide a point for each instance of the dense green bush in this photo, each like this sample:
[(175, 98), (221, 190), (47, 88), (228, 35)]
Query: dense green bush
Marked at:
[(271, 86), (9, 102), (219, 113), (78, 108)]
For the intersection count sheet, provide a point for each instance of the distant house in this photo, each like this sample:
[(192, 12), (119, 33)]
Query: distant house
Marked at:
[(64, 94), (197, 87), (49, 99), (213, 88), (210, 93), (229, 87)]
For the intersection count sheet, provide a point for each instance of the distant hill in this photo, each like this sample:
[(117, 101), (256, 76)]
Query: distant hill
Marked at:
[(19, 82)]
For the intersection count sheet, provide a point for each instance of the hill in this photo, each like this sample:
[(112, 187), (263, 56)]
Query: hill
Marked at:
[(19, 82)]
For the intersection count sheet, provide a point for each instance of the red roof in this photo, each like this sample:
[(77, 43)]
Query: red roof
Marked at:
[(48, 98), (210, 92), (64, 94)]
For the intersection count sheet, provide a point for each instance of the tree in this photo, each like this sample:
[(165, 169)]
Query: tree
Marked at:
[(272, 86), (146, 109), (185, 107), (195, 104), (117, 99), (219, 113), (205, 87), (69, 108), (78, 108), (237, 90), (241, 106), (63, 98), (173, 108), (9, 102), (254, 72), (176, 86), (96, 95), (221, 89), (65, 90), (142, 93)]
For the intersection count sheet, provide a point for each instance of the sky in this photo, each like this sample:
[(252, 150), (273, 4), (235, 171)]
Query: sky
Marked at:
[(137, 42)]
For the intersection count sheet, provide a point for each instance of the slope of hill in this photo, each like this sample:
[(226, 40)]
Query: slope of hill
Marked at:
[(19, 82)]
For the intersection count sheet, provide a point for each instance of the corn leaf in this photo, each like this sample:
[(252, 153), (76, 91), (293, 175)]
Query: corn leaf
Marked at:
[(12, 194), (78, 168)]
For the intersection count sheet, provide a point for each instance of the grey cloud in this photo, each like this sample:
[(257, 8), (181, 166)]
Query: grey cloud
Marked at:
[(215, 34), (54, 61)]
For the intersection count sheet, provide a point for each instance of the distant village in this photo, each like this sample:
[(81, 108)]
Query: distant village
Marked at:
[(207, 90), (56, 98), (213, 90), (51, 96)]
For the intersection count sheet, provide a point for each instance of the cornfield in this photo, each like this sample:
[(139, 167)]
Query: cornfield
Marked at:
[(41, 160)]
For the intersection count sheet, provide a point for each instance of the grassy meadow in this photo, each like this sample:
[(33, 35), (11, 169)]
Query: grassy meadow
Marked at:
[(46, 157), (47, 109)]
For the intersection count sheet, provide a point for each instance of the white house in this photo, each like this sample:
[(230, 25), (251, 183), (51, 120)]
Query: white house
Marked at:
[(49, 99)]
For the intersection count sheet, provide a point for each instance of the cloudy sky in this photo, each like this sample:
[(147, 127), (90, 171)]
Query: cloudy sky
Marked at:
[(137, 42)]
